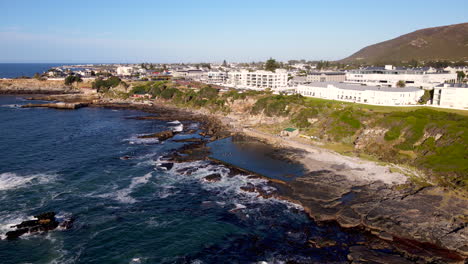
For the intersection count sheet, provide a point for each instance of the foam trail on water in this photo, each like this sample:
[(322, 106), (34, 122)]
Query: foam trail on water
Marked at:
[(134, 140), (123, 195), (9, 180)]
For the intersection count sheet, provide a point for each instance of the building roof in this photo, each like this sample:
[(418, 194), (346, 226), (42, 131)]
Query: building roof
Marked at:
[(453, 85), (327, 73), (290, 129), (357, 87), (399, 70)]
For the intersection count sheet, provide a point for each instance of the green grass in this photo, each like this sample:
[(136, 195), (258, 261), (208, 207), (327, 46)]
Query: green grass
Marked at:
[(381, 108)]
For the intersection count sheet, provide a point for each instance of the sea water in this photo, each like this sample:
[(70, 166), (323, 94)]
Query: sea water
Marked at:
[(128, 210)]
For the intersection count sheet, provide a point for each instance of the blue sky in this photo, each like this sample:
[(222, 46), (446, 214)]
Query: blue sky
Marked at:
[(209, 31)]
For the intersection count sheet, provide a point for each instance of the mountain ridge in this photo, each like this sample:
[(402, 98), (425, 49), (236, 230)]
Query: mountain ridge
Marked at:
[(436, 43)]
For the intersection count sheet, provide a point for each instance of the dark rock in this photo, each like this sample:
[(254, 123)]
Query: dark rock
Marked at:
[(213, 177), (160, 135), (125, 158), (361, 255), (68, 223), (16, 233), (166, 165), (44, 222)]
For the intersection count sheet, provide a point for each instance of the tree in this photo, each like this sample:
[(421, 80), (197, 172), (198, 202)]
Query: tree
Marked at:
[(460, 76), (72, 79), (401, 84), (271, 65), (224, 63), (37, 76), (427, 96)]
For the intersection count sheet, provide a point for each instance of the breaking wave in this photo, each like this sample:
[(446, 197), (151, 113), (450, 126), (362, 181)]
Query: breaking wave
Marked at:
[(9, 180)]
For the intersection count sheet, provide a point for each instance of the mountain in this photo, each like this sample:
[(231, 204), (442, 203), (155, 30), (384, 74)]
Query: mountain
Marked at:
[(437, 43)]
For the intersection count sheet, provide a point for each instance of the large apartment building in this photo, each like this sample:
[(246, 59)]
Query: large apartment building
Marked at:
[(453, 95), (389, 76), (326, 77), (258, 79), (361, 94), (215, 77)]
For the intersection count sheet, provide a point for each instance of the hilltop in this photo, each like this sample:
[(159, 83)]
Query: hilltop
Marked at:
[(437, 43)]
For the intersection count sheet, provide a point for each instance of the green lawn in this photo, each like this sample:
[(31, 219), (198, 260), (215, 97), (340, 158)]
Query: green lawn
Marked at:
[(385, 109)]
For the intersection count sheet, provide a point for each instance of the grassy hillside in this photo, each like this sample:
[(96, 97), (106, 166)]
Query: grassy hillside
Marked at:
[(438, 43)]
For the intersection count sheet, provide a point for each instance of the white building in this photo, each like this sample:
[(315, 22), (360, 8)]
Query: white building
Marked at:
[(389, 77), (258, 79), (453, 95), (326, 77), (124, 71), (215, 77), (361, 94)]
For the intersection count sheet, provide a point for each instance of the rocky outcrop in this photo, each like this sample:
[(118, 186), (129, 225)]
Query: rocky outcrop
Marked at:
[(428, 223), (213, 177), (67, 98), (161, 136), (34, 86), (44, 222), (70, 106)]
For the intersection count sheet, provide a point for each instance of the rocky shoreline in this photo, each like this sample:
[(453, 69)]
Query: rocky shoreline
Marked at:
[(425, 224)]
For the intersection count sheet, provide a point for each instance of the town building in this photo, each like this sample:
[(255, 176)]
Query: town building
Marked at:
[(124, 71), (361, 94), (258, 79), (389, 76), (452, 95), (326, 77), (215, 77), (296, 80)]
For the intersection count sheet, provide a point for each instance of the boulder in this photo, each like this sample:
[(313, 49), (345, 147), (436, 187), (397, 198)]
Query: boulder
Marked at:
[(163, 135), (43, 223), (213, 177)]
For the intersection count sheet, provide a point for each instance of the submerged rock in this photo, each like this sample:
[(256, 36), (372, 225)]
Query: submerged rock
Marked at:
[(213, 177), (166, 165), (189, 140)]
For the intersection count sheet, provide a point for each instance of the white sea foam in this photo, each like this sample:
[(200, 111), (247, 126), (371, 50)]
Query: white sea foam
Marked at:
[(134, 140), (228, 188), (9, 220), (9, 180), (123, 195), (11, 105)]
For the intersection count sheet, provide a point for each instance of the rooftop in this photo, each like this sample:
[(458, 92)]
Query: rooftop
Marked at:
[(327, 73), (362, 87), (453, 85)]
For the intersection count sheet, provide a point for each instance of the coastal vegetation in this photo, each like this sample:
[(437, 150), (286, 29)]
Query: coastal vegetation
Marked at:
[(431, 140), (103, 85), (70, 79)]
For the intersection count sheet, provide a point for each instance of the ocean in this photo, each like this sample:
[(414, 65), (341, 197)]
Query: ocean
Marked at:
[(14, 70), (129, 210)]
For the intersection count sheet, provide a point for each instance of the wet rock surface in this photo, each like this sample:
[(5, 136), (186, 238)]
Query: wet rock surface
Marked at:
[(44, 222), (213, 177), (428, 223), (161, 136)]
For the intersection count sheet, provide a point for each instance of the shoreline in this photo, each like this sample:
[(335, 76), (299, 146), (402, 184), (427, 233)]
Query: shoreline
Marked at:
[(327, 171)]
